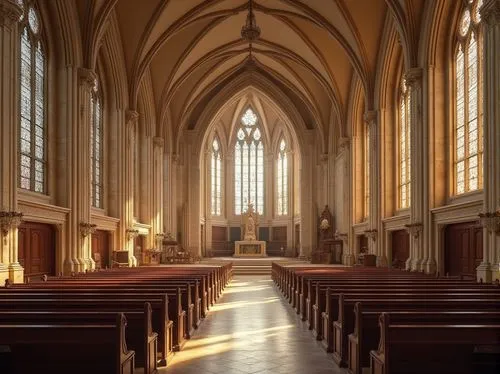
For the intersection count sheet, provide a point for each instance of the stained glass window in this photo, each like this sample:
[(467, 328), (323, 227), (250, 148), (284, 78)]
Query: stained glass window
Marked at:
[(468, 145), (249, 164), (216, 185), (32, 127), (96, 148), (367, 171), (404, 147), (282, 179)]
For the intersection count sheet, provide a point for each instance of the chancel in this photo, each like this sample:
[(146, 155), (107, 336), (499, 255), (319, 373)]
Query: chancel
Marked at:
[(250, 246), (199, 178)]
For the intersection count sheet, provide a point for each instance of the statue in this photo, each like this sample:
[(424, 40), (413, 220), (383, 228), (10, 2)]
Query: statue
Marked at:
[(250, 223)]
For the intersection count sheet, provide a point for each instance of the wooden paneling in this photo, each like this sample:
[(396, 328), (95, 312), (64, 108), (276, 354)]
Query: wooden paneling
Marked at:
[(278, 241), (297, 239), (220, 244), (400, 248), (463, 248), (36, 248), (100, 249), (263, 234)]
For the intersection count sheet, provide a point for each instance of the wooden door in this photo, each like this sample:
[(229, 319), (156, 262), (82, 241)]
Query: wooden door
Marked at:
[(100, 249), (36, 248), (463, 248), (400, 248)]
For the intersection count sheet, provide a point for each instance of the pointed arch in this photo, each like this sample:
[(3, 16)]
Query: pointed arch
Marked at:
[(33, 101), (248, 162), (216, 173), (282, 172), (467, 101)]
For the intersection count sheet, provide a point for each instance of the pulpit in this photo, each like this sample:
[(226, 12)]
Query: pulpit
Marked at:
[(329, 249)]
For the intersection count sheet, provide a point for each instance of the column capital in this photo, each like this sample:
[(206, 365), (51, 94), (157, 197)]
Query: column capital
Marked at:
[(10, 12), (343, 143), (158, 141), (490, 12), (413, 76), (131, 116), (87, 77), (370, 117)]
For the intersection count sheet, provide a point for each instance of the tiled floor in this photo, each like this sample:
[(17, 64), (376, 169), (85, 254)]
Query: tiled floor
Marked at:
[(252, 330)]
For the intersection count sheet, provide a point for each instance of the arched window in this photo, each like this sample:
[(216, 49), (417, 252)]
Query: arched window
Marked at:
[(249, 164), (96, 148), (404, 158), (33, 127), (468, 147), (282, 179), (366, 170), (216, 172)]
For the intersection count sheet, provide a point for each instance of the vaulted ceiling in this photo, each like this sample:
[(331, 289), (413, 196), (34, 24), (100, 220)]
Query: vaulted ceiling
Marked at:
[(193, 49)]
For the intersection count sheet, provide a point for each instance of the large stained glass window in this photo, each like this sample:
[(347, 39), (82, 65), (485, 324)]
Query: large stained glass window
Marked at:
[(366, 170), (282, 179), (249, 164), (404, 147), (32, 139), (96, 148), (215, 173), (468, 147)]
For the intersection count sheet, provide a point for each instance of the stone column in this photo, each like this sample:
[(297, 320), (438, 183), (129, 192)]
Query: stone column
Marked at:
[(128, 151), (374, 221), (82, 169), (157, 189), (192, 217), (418, 152), (307, 206), (10, 13), (344, 231), (488, 270)]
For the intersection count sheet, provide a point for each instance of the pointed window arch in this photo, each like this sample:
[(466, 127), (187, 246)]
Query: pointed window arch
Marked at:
[(468, 136), (96, 147), (33, 126), (216, 178), (282, 179), (249, 164), (404, 152), (366, 169)]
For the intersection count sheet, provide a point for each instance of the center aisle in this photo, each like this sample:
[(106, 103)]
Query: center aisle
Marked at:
[(252, 330)]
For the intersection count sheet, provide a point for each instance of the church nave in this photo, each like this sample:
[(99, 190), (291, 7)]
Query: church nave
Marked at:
[(251, 330)]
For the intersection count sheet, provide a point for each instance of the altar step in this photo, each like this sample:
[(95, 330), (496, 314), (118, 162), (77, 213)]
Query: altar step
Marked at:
[(240, 269)]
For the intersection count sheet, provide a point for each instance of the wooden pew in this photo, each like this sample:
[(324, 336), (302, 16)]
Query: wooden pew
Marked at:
[(429, 348), (331, 304), (366, 334), (140, 336), (170, 336), (97, 291), (59, 348), (345, 325)]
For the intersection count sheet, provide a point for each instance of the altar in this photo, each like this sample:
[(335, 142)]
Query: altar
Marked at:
[(250, 246)]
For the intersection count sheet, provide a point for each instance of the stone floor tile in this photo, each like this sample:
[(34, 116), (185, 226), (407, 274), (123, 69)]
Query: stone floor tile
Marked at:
[(252, 330)]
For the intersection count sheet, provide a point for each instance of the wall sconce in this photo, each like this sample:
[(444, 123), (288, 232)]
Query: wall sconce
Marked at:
[(132, 234), (87, 229), (10, 220), (490, 221), (371, 234), (414, 229)]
